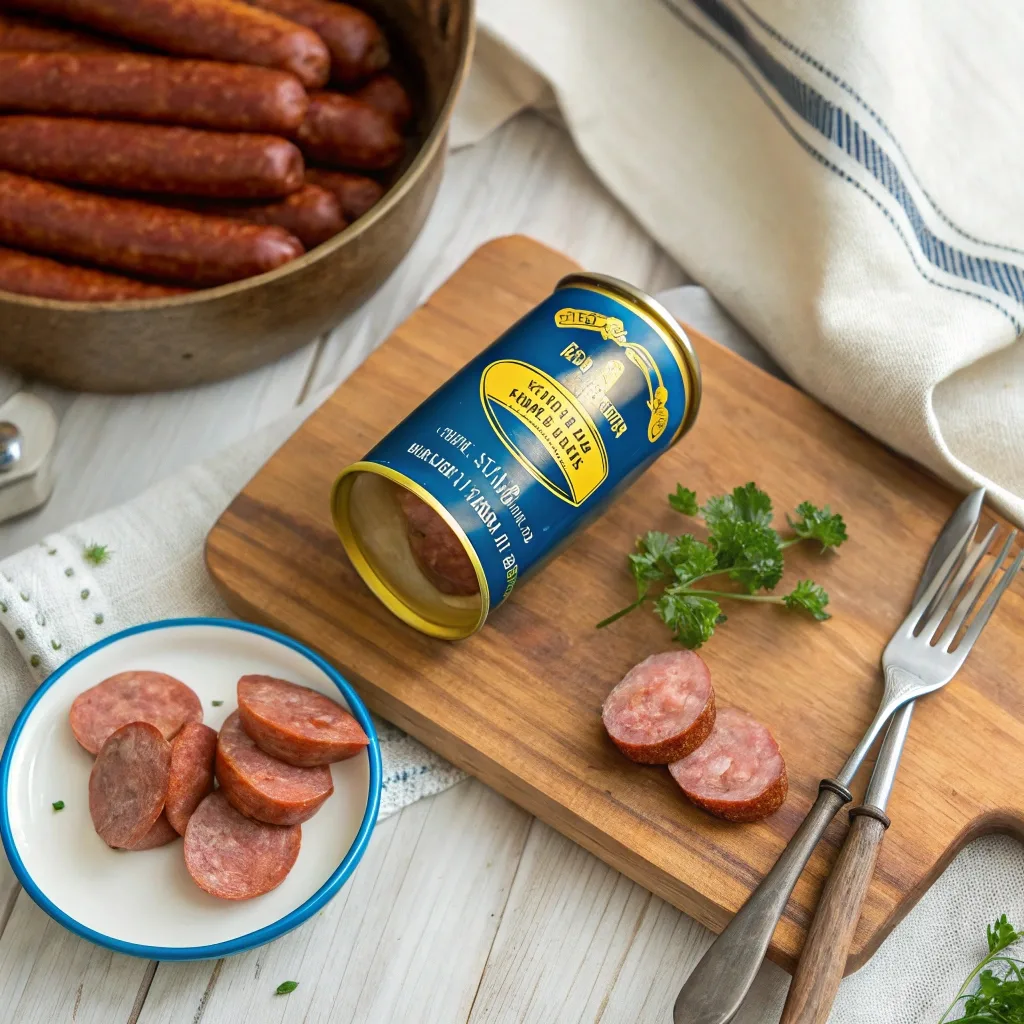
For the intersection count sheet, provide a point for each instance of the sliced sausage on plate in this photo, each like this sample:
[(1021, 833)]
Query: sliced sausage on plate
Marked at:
[(233, 857), (663, 709), (128, 784), (261, 786), (191, 774), (738, 773), (153, 697), (295, 724), (160, 834)]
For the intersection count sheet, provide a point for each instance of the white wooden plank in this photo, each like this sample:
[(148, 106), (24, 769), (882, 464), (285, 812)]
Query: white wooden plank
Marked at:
[(526, 178), (565, 932), (661, 956), (405, 940), (47, 974), (580, 942)]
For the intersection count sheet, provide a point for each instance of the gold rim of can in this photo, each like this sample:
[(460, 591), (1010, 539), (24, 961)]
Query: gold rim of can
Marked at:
[(664, 324), (340, 496)]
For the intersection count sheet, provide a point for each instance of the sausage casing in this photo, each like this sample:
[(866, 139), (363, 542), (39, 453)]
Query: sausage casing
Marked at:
[(24, 33), (355, 192), (138, 238), (387, 94), (26, 274), (344, 132), (150, 158), (312, 214), (143, 87), (357, 46), (218, 29)]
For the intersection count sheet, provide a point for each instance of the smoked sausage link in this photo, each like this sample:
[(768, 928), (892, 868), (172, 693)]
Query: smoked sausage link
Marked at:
[(25, 274), (217, 29), (663, 709), (191, 773), (139, 238), (738, 773), (438, 551), (141, 87), (128, 783), (24, 34), (356, 44), (355, 192), (344, 132), (261, 786), (233, 857), (161, 700), (312, 214), (150, 157), (386, 94), (295, 724)]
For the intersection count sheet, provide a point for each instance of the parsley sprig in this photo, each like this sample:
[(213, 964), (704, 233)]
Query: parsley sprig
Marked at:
[(999, 997), (742, 544)]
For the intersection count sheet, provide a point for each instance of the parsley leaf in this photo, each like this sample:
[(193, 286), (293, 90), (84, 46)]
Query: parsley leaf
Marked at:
[(691, 619), (742, 545), (819, 524), (809, 597), (58, 805), (684, 500), (999, 996), (285, 987)]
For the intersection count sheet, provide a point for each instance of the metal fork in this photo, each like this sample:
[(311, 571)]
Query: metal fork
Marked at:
[(917, 661)]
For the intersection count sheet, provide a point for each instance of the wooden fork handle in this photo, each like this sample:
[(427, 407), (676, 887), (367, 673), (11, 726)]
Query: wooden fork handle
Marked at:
[(820, 969)]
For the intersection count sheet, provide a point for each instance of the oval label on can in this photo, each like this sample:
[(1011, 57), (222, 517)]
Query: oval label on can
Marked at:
[(545, 428)]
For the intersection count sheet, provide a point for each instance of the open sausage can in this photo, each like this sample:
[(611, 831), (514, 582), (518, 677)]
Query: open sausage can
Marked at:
[(503, 464)]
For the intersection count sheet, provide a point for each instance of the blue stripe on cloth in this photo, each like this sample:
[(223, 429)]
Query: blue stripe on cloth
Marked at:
[(876, 117), (836, 125)]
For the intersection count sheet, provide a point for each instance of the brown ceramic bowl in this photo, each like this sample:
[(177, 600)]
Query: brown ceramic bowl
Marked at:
[(216, 333)]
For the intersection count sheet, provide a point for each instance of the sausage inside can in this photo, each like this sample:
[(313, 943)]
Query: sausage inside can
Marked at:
[(404, 552)]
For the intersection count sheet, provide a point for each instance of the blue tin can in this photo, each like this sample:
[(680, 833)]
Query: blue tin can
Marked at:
[(501, 466)]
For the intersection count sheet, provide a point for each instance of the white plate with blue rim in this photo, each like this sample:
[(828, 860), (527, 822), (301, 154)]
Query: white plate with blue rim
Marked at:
[(144, 903)]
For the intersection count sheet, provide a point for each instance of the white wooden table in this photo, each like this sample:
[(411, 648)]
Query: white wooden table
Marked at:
[(465, 908)]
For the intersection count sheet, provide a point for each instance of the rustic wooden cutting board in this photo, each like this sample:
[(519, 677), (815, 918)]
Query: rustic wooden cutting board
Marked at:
[(518, 704)]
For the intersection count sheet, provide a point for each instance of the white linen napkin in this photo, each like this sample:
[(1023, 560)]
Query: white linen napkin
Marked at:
[(839, 176)]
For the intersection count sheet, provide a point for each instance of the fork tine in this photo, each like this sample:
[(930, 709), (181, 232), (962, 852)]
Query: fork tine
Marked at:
[(940, 607), (970, 599), (988, 607), (938, 583)]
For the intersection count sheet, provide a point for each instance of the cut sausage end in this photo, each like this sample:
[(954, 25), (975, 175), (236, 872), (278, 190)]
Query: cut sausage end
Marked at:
[(738, 773), (438, 551), (128, 784), (295, 724), (663, 709), (233, 857), (264, 787), (191, 773), (152, 697)]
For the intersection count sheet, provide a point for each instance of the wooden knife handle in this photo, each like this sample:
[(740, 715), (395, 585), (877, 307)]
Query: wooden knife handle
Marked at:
[(820, 969)]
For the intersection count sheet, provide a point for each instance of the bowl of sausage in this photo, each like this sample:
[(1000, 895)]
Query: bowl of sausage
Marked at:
[(193, 188), (189, 789)]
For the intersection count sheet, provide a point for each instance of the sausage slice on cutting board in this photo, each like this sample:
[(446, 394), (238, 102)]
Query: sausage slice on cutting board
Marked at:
[(663, 709), (738, 772)]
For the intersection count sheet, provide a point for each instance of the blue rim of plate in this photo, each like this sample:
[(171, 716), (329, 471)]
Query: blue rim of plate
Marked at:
[(250, 940)]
